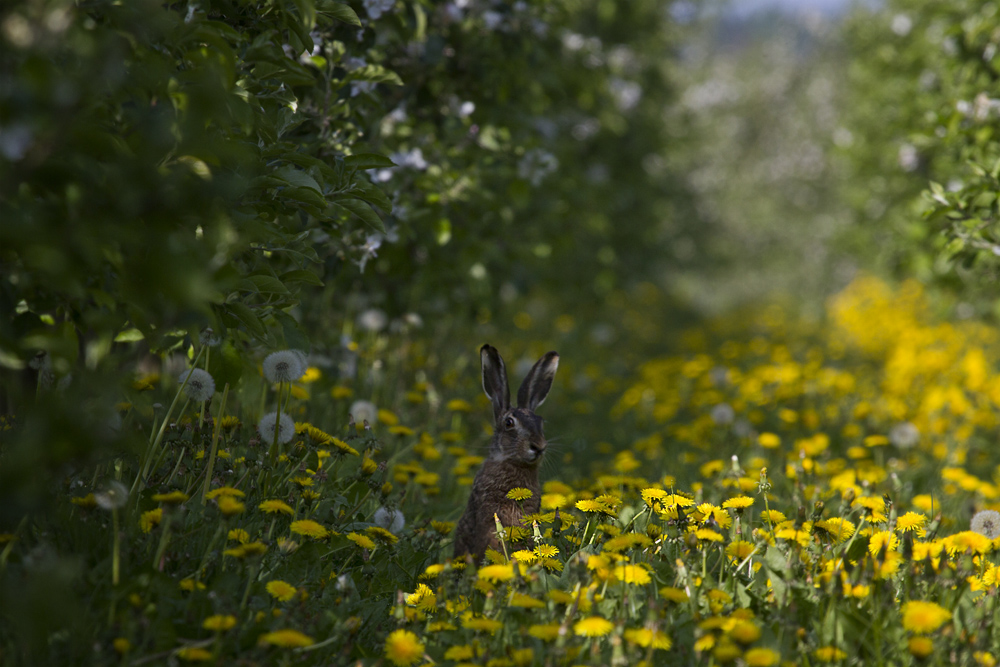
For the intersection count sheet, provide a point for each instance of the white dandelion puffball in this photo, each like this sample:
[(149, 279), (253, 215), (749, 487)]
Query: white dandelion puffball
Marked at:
[(285, 426), (284, 366), (904, 435), (390, 519), (200, 385), (373, 320), (987, 523), (362, 410), (113, 497)]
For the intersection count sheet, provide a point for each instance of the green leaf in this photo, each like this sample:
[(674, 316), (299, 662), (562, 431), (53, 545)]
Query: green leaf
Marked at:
[(306, 196), (131, 335), (245, 316), (368, 161), (301, 276), (363, 211), (267, 284), (297, 177), (295, 337), (341, 12), (370, 193)]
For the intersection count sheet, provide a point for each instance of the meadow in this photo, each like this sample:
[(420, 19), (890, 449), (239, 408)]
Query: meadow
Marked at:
[(780, 492)]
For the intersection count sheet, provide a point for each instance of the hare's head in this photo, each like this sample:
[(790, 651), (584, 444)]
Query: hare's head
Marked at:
[(517, 431)]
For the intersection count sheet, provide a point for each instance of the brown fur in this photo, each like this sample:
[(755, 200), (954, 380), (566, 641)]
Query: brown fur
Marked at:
[(515, 454)]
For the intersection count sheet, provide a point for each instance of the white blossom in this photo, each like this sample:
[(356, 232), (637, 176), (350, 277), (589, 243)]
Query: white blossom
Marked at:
[(390, 519), (200, 384), (285, 427), (987, 523), (284, 366)]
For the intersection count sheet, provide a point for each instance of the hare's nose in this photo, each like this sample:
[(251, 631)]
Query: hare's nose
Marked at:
[(536, 450)]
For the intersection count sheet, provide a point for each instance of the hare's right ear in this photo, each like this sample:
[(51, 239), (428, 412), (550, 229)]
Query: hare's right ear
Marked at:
[(495, 380)]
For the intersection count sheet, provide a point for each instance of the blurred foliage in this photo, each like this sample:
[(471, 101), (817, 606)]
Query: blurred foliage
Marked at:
[(274, 171), (924, 159)]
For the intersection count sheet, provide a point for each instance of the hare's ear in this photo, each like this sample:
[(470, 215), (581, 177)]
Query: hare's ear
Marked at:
[(536, 385), (495, 380)]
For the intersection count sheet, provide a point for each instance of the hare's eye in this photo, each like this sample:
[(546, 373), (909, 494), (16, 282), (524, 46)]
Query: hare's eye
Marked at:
[(509, 422)]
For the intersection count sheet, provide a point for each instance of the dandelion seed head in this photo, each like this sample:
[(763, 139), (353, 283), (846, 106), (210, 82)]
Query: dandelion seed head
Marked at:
[(987, 522), (200, 384), (113, 497), (364, 411), (284, 366), (391, 519), (285, 427)]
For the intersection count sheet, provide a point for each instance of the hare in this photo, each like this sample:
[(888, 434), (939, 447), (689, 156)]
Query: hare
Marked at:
[(515, 453)]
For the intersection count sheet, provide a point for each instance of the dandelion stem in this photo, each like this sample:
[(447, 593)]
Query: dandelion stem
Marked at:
[(254, 570), (162, 547), (5, 554), (208, 551), (215, 444), (163, 426), (180, 457), (116, 549)]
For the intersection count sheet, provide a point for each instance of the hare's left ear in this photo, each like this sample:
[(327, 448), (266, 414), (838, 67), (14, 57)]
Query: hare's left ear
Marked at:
[(495, 381), (536, 385)]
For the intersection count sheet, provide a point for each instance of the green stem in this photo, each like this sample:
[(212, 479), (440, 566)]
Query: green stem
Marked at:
[(180, 458), (115, 553), (10, 544), (161, 549), (163, 426), (208, 551), (254, 569), (215, 444)]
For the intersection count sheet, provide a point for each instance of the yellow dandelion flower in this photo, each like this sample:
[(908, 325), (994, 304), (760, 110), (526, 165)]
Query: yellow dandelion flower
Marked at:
[(286, 638), (633, 574), (172, 498), (219, 622), (275, 507), (524, 556), (524, 601), (310, 528), (546, 551), (339, 391), (363, 541), (646, 638), (458, 405), (496, 573), (769, 440), (519, 493), (381, 534), (920, 647), (462, 652), (151, 519), (281, 590), (707, 535), (744, 632), (738, 503), (674, 594), (591, 505), (423, 598), (837, 528), (87, 502), (968, 541), (191, 585), (481, 624), (238, 535), (593, 626), (739, 550), (912, 522), (923, 617), (194, 654), (627, 541), (984, 659), (761, 657), (121, 645), (229, 506), (881, 542), (829, 654), (773, 517), (224, 491), (546, 633)]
